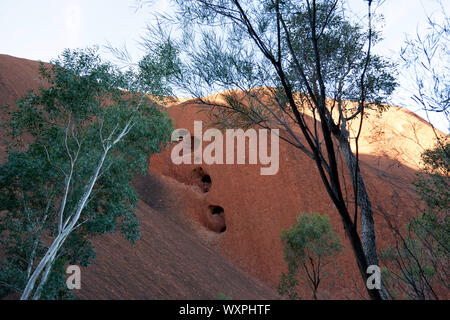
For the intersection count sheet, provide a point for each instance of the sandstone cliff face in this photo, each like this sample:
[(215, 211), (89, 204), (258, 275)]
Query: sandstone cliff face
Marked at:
[(210, 229)]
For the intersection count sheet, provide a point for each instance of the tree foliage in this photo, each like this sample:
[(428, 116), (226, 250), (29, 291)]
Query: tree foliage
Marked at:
[(425, 57), (417, 266), (88, 131), (301, 67), (309, 246)]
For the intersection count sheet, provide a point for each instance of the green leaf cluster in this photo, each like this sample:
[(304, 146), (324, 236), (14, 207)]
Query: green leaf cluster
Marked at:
[(66, 123)]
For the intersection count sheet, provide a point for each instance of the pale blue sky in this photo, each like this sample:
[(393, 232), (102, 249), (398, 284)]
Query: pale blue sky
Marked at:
[(41, 29)]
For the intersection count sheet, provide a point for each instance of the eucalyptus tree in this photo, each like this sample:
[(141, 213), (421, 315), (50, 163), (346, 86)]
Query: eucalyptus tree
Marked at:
[(426, 62), (90, 128), (417, 265), (302, 67), (309, 246)]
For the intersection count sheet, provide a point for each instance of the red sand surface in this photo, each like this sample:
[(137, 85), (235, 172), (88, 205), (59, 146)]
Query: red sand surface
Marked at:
[(186, 252)]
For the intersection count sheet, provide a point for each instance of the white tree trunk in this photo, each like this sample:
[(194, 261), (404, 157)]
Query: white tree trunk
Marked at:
[(69, 225), (366, 213)]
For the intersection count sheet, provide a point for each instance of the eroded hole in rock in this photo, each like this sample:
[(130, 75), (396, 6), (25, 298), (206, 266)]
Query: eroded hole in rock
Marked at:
[(216, 210), (206, 183), (206, 179), (202, 179), (215, 219)]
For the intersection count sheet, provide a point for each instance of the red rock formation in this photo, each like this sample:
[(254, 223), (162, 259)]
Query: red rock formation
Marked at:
[(203, 224), (256, 208)]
